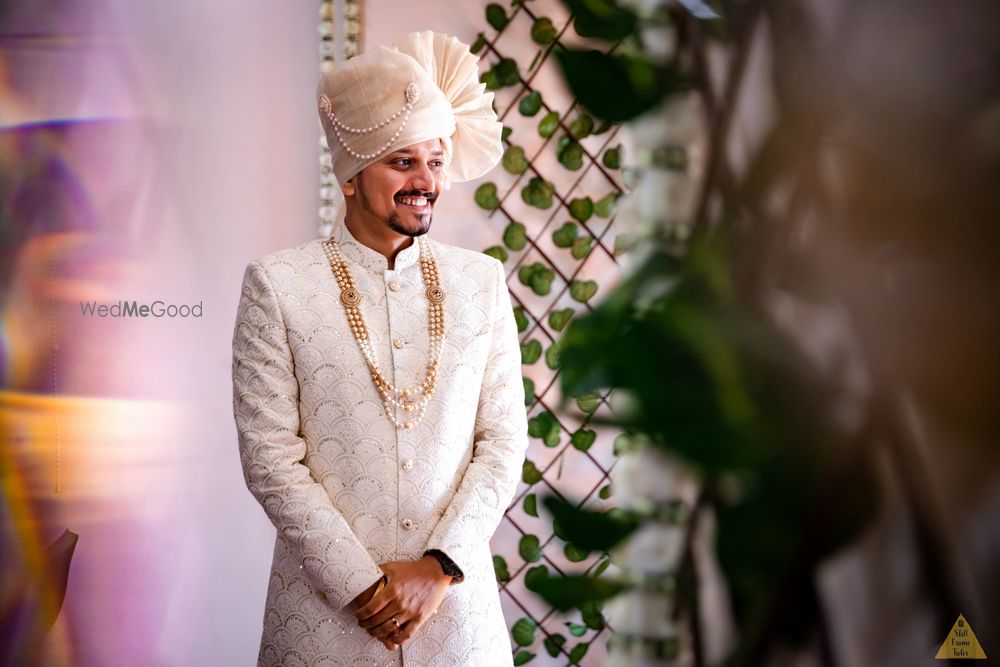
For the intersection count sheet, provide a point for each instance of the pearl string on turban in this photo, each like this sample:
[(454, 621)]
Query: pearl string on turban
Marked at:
[(425, 87)]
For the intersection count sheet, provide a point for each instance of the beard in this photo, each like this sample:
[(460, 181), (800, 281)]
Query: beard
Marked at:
[(396, 224)]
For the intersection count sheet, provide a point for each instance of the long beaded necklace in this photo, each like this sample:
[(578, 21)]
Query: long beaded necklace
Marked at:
[(413, 401)]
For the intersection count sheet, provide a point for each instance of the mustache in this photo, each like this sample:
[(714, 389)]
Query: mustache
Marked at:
[(429, 196)]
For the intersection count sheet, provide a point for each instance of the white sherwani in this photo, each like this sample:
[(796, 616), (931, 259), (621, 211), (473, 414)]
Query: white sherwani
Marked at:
[(344, 488)]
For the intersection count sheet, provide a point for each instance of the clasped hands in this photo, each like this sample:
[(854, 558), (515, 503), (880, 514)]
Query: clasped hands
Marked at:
[(412, 593)]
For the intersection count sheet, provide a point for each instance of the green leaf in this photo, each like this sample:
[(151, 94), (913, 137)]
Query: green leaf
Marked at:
[(605, 206), (583, 439), (530, 548), (581, 126), (603, 127), (571, 155), (574, 553), (523, 631), (605, 492), (496, 16), (599, 570), (514, 161), (522, 657), (529, 391), (486, 196), (534, 576), (530, 473), (515, 236), (500, 569), (582, 290), (572, 590), (605, 19), (530, 505), (541, 281), (581, 247), (530, 351), (538, 193), (545, 426), (581, 208), (489, 77), (623, 243), (505, 132), (565, 235), (588, 402), (548, 124), (530, 103), (597, 531), (537, 276), (576, 629), (615, 87), (501, 75), (497, 252), (580, 650), (558, 319), (591, 614), (622, 443), (542, 31), (478, 45), (552, 355), (613, 157), (553, 642), (520, 319)]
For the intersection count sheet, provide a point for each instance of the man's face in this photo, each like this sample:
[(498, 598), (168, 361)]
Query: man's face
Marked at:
[(398, 192)]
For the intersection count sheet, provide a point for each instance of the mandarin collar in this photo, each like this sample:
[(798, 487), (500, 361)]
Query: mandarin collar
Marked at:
[(371, 259)]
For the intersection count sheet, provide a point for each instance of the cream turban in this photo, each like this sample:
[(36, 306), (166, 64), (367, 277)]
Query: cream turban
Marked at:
[(425, 87)]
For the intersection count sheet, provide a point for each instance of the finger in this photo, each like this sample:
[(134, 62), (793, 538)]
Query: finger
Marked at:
[(382, 616), (404, 632), (385, 630), (373, 606)]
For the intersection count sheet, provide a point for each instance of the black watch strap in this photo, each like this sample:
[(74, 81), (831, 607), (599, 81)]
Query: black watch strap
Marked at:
[(447, 565)]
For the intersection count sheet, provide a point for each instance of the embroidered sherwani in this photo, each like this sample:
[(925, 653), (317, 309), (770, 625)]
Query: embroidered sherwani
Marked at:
[(343, 487)]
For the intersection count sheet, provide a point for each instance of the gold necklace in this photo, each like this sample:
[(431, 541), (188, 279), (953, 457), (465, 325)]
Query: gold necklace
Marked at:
[(393, 397)]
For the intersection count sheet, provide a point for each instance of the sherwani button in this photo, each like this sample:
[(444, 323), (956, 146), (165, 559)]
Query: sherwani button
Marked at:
[(408, 464), (407, 524), (398, 342), (394, 285)]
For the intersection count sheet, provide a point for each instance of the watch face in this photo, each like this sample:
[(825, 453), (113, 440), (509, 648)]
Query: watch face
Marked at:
[(447, 565)]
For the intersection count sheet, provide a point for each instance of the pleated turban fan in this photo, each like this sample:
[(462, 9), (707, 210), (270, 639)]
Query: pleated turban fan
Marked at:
[(425, 87)]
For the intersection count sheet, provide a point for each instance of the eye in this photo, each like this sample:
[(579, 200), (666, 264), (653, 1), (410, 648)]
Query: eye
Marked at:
[(402, 160)]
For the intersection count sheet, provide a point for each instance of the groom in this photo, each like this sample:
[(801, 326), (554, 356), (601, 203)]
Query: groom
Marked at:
[(377, 384)]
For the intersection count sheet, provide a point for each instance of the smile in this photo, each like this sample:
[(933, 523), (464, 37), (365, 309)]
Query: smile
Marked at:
[(417, 204)]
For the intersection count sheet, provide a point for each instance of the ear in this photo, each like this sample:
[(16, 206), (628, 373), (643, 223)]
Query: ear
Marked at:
[(348, 187)]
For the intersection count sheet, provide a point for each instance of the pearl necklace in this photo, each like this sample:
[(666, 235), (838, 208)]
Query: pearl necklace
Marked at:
[(392, 396)]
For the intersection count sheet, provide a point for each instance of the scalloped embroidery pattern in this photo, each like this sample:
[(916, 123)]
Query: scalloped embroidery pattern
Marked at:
[(343, 487)]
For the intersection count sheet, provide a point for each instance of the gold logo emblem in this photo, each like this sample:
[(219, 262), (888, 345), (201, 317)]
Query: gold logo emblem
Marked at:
[(960, 643)]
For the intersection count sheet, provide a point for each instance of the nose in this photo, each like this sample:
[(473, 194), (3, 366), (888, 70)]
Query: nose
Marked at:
[(423, 178)]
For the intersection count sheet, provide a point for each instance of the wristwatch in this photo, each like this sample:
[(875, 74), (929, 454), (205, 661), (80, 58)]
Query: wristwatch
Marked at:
[(447, 565)]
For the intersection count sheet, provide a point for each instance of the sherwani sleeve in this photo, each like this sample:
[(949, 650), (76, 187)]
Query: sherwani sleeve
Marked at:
[(265, 405), (499, 444)]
